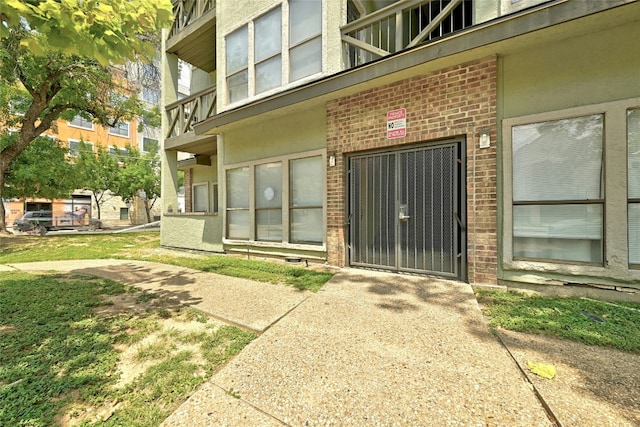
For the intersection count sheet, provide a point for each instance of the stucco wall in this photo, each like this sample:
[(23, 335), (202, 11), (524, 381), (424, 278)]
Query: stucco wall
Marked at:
[(598, 67), (592, 74), (231, 17), (263, 138), (199, 232)]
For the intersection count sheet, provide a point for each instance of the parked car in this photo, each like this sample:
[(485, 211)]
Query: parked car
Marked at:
[(42, 221)]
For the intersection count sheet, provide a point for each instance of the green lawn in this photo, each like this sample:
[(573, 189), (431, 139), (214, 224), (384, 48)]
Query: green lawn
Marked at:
[(600, 323), (145, 246), (64, 340), (63, 346)]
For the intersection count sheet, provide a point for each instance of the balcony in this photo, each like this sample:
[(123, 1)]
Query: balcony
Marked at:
[(402, 25), (193, 34), (182, 115)]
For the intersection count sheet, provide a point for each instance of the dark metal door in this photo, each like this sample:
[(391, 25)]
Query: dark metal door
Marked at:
[(406, 210)]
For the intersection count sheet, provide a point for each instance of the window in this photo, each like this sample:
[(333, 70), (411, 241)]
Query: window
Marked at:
[(633, 173), (214, 198), (76, 146), (305, 38), (268, 201), (150, 145), (117, 151), (558, 200), (238, 203), (272, 44), (237, 65), (267, 47), (307, 177), (200, 193), (150, 95), (80, 122), (120, 129), (278, 201), (124, 214)]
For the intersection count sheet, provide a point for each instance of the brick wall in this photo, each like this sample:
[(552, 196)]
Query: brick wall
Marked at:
[(453, 102), (188, 196)]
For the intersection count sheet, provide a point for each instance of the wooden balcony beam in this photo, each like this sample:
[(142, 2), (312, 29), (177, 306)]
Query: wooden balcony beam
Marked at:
[(434, 23), (364, 46)]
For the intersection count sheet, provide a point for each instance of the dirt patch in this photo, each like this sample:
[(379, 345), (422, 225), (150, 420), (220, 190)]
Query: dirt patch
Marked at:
[(593, 386), (173, 326)]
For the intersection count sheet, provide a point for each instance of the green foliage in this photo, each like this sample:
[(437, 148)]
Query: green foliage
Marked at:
[(588, 321), (111, 31), (41, 170), (96, 172), (67, 247), (51, 346), (136, 246), (57, 354), (54, 63), (139, 174)]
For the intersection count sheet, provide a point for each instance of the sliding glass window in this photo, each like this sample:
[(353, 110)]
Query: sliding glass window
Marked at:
[(558, 191), (633, 171)]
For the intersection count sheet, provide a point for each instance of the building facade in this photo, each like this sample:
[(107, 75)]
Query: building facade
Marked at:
[(493, 142), (114, 211)]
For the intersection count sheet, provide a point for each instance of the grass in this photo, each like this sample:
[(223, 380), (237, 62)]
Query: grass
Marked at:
[(63, 355), (591, 322), (59, 360), (145, 246)]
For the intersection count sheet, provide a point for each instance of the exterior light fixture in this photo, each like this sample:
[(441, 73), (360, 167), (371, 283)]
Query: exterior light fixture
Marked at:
[(332, 159), (485, 139)]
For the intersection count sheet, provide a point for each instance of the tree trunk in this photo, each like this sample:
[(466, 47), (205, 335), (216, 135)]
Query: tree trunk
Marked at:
[(3, 222)]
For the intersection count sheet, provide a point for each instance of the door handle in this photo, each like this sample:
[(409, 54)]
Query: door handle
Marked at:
[(402, 213)]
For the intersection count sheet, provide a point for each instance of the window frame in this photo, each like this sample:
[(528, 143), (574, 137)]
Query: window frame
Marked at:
[(81, 125), (257, 62), (302, 42), (75, 152), (285, 54), (146, 139), (635, 200), (193, 196), (543, 203), (118, 129), (286, 202), (615, 221), (229, 75)]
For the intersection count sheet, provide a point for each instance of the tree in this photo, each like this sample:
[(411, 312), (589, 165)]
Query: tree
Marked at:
[(97, 172), (140, 177), (41, 170), (110, 32), (54, 58)]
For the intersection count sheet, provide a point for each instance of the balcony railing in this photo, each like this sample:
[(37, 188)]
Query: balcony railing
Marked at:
[(402, 25), (187, 11), (188, 111)]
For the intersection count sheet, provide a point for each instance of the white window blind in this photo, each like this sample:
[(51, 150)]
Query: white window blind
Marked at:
[(305, 38), (558, 189), (268, 199), (633, 171), (268, 47), (307, 178), (237, 62), (238, 203)]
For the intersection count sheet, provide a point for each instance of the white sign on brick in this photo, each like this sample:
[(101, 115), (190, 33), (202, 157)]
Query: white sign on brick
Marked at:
[(397, 123)]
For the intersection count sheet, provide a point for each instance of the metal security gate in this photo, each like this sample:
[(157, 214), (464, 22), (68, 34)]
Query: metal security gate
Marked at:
[(406, 210)]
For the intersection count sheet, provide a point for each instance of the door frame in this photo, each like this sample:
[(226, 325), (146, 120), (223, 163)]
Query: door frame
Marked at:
[(460, 179)]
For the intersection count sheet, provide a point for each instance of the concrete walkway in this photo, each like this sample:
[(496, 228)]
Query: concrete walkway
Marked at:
[(369, 349)]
